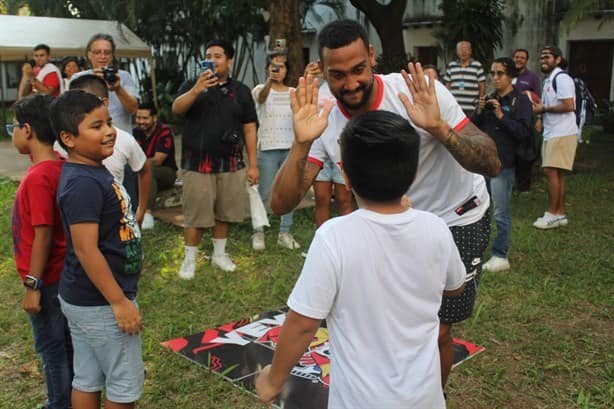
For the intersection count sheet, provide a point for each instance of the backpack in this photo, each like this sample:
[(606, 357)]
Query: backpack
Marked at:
[(526, 150), (585, 103)]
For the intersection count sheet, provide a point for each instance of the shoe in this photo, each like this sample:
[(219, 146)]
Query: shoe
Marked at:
[(496, 264), (550, 221), (224, 262), (286, 240), (258, 241), (304, 254), (186, 272), (148, 221)]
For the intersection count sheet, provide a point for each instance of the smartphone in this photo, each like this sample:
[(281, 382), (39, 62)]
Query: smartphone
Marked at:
[(206, 65)]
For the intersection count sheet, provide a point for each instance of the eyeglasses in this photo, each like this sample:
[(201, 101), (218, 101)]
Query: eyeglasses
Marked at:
[(497, 73), (102, 52), (11, 127)]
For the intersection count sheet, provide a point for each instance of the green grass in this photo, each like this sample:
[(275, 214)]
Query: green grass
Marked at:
[(546, 325)]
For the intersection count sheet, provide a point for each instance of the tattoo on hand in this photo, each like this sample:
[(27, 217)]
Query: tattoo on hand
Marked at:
[(475, 152)]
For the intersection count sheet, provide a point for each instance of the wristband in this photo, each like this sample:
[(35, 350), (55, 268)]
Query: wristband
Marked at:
[(32, 282), (543, 110)]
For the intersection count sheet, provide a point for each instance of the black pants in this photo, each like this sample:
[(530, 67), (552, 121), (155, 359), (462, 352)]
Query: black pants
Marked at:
[(523, 175)]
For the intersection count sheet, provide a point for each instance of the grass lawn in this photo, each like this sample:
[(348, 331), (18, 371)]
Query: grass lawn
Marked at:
[(547, 324)]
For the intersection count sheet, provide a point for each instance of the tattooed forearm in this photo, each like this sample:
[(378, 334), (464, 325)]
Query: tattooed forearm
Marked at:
[(474, 150)]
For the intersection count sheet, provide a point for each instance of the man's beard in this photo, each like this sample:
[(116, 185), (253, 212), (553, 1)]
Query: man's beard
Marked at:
[(366, 93)]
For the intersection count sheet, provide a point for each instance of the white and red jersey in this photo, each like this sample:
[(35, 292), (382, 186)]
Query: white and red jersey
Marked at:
[(442, 185)]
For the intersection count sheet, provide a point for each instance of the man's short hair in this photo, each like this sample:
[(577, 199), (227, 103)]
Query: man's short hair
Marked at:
[(463, 42), (340, 33), (34, 110), (508, 63), (379, 152), (42, 47), (69, 109), (521, 50), (91, 83), (149, 107), (227, 47)]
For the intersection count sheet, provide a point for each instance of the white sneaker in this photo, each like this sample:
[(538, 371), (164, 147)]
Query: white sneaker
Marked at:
[(286, 240), (224, 262), (496, 264), (550, 221), (148, 221), (258, 241), (186, 272)]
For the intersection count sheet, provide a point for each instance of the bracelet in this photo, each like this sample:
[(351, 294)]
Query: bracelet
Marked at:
[(543, 110), (538, 116)]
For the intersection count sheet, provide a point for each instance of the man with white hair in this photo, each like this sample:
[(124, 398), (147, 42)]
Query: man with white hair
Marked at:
[(465, 78)]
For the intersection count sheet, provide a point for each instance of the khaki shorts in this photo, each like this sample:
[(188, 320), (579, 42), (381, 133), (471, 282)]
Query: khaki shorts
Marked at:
[(208, 197), (559, 152)]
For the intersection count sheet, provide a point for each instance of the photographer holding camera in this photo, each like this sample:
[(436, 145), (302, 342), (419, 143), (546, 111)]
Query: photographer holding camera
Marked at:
[(220, 121), (39, 75), (505, 115)]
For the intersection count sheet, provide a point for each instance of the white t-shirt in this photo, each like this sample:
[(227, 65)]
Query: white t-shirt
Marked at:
[(275, 129), (378, 280), (441, 184), (126, 151), (563, 124)]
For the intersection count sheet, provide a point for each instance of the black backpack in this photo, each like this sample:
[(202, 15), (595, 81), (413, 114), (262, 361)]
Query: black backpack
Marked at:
[(585, 103)]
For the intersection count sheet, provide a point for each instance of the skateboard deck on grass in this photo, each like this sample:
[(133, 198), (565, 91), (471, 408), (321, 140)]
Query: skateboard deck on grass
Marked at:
[(237, 351)]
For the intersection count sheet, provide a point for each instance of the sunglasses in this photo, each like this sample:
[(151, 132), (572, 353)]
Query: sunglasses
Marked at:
[(11, 127), (497, 73), (102, 52)]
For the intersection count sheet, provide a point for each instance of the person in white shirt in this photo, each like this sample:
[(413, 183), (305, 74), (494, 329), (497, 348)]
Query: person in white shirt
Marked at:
[(560, 134), (454, 153), (275, 137), (384, 263)]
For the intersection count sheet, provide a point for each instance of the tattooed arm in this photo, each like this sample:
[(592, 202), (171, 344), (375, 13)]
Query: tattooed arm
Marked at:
[(471, 148)]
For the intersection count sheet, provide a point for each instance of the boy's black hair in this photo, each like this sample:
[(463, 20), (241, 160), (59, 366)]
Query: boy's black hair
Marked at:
[(34, 110), (150, 107), (92, 83), (69, 109), (42, 47), (510, 67), (379, 152), (228, 49), (340, 33)]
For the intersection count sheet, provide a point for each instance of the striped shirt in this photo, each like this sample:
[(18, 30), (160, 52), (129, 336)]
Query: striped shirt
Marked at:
[(464, 83)]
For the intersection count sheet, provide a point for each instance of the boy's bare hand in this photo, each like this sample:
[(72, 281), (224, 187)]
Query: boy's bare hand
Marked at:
[(128, 317), (308, 123), (264, 388), (32, 301)]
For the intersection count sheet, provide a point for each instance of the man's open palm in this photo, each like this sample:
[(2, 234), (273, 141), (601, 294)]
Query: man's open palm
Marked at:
[(308, 122)]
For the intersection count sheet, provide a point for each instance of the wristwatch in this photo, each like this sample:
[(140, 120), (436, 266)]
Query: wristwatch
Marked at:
[(32, 282)]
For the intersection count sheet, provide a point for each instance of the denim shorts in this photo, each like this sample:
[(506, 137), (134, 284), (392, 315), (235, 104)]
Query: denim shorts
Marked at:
[(330, 172), (104, 357)]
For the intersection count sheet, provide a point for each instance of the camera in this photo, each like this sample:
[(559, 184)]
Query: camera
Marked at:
[(109, 74), (231, 137), (489, 106), (280, 44), (275, 67), (205, 65)]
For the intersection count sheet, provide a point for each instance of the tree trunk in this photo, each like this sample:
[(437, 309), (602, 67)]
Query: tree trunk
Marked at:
[(388, 22), (285, 23)]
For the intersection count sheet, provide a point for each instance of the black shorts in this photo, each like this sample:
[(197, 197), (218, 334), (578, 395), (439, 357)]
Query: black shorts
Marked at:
[(471, 241)]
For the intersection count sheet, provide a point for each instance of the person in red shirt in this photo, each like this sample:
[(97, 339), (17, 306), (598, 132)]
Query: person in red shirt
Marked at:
[(41, 77), (40, 244), (156, 140)]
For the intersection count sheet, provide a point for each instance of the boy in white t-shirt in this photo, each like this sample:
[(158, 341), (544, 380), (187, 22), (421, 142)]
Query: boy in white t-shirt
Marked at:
[(377, 276)]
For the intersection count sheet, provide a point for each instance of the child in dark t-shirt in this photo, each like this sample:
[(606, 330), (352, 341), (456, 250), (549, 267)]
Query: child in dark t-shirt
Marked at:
[(103, 257)]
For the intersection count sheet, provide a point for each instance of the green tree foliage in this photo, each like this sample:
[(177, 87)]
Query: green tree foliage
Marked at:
[(478, 21)]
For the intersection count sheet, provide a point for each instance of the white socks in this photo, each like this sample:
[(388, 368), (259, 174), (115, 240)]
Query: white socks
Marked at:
[(219, 247), (190, 253)]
